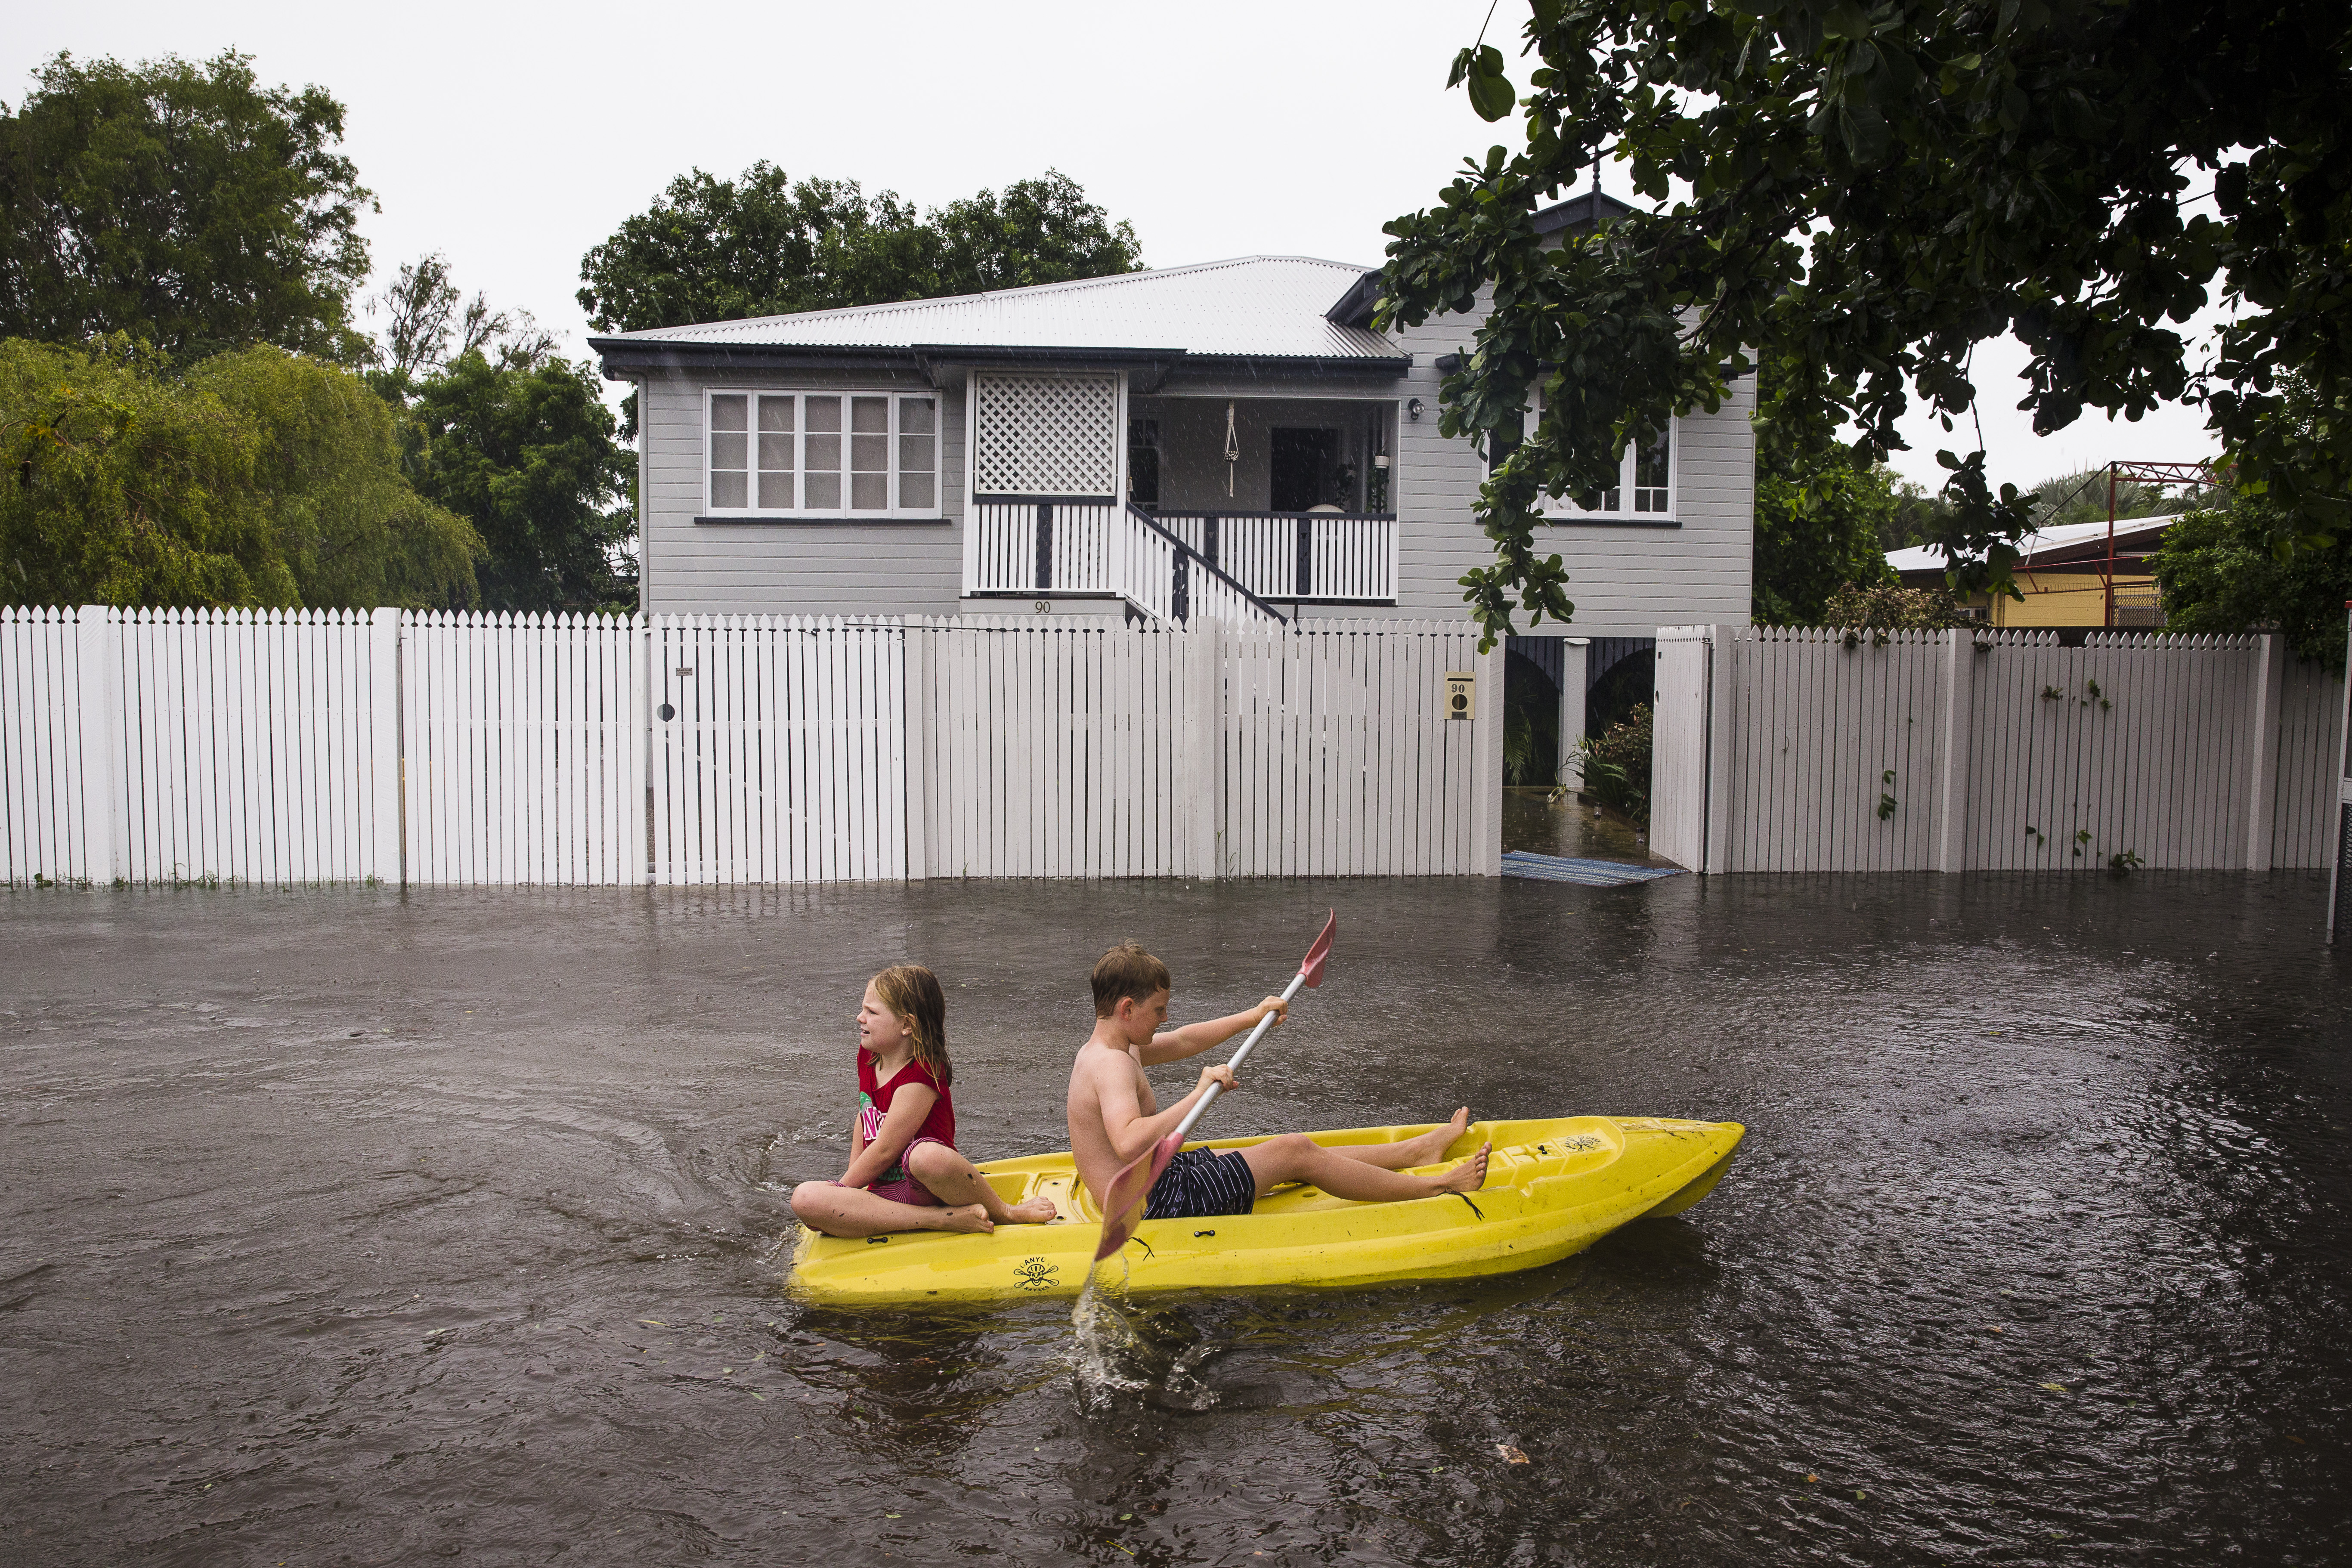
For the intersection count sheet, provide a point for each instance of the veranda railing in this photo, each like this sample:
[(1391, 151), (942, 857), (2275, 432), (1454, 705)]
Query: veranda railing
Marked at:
[(1050, 545)]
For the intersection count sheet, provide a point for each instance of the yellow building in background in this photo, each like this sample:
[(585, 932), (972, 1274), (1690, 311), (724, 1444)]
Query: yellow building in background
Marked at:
[(2063, 575)]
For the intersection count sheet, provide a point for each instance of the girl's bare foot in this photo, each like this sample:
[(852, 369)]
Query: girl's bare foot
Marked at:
[(1036, 1211), (968, 1216), (1468, 1176), (1428, 1148)]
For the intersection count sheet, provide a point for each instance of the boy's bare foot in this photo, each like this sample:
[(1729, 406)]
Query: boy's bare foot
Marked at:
[(1468, 1176), (968, 1217), (1428, 1148), (1036, 1211)]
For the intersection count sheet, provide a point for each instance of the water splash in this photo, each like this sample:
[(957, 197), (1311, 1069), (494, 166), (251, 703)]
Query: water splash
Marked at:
[(1104, 1346), (1119, 1350)]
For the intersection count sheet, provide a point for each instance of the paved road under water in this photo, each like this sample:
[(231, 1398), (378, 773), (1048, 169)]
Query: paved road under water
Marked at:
[(341, 1226)]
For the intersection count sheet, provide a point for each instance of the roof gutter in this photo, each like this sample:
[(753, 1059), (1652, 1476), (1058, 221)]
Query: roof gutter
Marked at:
[(625, 359), (946, 363)]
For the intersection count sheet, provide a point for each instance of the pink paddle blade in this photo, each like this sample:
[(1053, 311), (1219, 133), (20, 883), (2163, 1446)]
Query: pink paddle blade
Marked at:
[(1123, 1205), (1312, 967)]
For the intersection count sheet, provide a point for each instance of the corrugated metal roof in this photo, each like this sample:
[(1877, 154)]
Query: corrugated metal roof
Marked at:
[(1263, 307), (2042, 541)]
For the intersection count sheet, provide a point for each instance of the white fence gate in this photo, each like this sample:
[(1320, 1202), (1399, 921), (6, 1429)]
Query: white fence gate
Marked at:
[(1805, 750), (1059, 750), (779, 750), (297, 747), (1222, 751)]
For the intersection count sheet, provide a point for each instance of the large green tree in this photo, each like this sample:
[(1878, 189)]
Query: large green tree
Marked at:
[(1876, 186), (183, 205), (1039, 231), (2222, 569), (500, 430), (2220, 573), (1821, 509), (524, 449), (258, 478), (712, 250), (346, 520)]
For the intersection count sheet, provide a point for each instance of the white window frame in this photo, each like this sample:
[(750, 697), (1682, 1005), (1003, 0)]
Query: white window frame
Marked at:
[(843, 513), (1560, 508)]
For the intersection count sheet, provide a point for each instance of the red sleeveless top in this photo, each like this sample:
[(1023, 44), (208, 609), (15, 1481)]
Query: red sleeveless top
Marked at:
[(874, 1100)]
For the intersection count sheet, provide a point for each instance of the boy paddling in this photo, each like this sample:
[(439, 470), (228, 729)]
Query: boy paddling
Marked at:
[(1114, 1116)]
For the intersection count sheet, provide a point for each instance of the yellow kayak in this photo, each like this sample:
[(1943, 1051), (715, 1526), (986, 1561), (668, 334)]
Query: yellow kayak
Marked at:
[(1553, 1187)]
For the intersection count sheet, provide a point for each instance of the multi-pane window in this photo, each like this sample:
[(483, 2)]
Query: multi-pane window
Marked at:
[(1645, 475), (1653, 459), (825, 454)]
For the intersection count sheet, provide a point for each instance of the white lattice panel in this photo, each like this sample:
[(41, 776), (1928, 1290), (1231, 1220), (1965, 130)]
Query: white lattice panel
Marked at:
[(1047, 433)]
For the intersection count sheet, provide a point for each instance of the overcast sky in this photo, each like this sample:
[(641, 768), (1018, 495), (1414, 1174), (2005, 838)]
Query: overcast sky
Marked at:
[(512, 139)]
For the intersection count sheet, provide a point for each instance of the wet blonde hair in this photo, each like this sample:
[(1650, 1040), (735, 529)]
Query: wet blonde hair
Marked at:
[(913, 994)]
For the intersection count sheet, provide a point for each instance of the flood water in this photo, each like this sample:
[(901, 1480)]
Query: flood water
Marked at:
[(345, 1227)]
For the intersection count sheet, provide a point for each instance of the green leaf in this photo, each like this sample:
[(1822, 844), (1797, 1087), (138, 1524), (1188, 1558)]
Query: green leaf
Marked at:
[(1846, 20), (1491, 96)]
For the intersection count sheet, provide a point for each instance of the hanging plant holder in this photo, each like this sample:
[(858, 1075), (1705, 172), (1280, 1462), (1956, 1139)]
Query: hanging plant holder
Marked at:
[(1233, 451)]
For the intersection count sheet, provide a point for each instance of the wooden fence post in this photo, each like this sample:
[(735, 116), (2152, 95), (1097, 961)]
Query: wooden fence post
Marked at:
[(1486, 769), (637, 771), (386, 799), (98, 662), (1720, 750), (1951, 846), (1678, 747), (2269, 674), (1574, 654)]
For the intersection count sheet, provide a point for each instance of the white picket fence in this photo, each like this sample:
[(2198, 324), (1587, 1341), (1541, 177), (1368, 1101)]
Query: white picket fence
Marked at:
[(525, 744), (1805, 749), (281, 747), (261, 743)]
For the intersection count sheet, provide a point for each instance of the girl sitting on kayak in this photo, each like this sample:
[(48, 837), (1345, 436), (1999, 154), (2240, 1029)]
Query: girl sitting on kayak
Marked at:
[(904, 1171)]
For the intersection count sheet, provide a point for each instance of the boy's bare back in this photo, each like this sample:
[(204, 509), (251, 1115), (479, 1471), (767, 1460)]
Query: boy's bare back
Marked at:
[(1105, 1081)]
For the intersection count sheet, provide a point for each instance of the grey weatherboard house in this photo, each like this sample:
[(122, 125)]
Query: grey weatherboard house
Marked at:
[(1230, 438)]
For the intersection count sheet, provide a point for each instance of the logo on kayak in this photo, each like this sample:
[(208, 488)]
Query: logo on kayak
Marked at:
[(1035, 1273)]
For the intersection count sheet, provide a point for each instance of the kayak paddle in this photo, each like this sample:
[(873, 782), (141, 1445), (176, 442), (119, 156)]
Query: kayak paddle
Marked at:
[(1122, 1206)]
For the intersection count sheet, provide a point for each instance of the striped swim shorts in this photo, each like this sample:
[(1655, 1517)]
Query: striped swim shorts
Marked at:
[(1199, 1183)]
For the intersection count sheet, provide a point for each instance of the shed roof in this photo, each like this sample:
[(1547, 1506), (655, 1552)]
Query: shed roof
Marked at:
[(2064, 540), (1255, 307)]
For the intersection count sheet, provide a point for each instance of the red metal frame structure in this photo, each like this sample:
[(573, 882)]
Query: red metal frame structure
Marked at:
[(2146, 473)]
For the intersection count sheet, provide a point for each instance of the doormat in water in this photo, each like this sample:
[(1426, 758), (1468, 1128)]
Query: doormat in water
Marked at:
[(1583, 873)]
